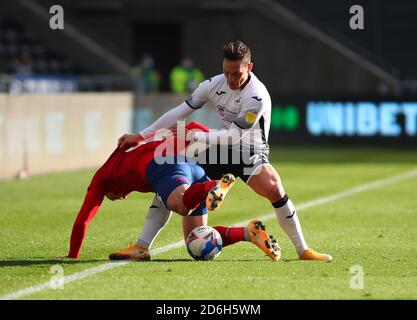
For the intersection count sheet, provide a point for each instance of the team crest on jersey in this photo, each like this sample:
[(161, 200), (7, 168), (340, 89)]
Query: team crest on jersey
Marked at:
[(250, 117)]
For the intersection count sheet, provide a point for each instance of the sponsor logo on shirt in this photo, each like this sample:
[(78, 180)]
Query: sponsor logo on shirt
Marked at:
[(250, 117)]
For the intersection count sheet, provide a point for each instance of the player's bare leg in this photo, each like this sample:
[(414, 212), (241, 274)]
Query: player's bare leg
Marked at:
[(191, 222), (266, 182), (175, 200)]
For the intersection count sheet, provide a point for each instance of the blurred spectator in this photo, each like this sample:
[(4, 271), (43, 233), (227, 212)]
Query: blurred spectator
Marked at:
[(185, 77), (147, 78), (23, 65)]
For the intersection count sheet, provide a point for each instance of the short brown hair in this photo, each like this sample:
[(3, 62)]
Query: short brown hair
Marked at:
[(237, 51)]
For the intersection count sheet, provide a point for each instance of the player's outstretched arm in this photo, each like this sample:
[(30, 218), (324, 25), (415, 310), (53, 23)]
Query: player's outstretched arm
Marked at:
[(170, 118), (89, 208), (167, 120)]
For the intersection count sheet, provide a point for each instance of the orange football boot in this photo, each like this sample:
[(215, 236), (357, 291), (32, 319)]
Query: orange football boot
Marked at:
[(263, 240), (310, 254), (216, 195), (135, 252)]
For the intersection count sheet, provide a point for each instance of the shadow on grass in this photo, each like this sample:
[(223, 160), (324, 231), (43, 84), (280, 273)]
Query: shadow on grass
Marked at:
[(201, 261), (28, 262)]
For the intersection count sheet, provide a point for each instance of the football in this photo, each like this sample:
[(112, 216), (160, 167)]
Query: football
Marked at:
[(204, 243)]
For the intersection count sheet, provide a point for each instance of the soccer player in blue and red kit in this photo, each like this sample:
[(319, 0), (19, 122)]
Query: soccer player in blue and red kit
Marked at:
[(182, 187)]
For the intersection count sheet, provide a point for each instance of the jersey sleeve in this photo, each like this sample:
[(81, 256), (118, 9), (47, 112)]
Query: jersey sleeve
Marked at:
[(200, 95), (221, 137), (89, 208), (252, 109)]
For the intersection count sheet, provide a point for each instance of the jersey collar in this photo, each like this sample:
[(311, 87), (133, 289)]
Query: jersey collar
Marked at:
[(246, 82)]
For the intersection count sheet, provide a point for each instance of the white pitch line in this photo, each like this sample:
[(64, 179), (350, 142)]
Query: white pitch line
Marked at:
[(111, 265), (347, 193)]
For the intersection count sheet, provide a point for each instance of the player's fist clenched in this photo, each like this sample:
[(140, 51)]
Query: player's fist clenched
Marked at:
[(128, 139)]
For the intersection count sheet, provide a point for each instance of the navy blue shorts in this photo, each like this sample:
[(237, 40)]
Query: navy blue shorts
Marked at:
[(165, 178)]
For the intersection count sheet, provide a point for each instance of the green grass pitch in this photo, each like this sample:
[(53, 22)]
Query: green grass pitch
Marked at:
[(375, 230)]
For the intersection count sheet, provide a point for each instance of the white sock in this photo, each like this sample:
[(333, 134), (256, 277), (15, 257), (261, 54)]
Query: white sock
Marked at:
[(288, 219), (156, 219)]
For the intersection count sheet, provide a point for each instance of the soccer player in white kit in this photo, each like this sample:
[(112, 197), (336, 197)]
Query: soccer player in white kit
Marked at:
[(240, 146)]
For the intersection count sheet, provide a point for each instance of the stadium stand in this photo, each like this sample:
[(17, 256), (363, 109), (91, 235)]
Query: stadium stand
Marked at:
[(388, 35), (16, 41), (104, 37)]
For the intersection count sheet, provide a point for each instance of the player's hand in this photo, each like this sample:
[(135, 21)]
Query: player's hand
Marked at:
[(128, 139)]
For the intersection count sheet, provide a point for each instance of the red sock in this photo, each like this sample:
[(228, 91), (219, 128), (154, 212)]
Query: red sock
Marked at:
[(197, 193), (231, 235)]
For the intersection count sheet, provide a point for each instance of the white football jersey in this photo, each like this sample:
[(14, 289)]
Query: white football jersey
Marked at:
[(249, 107)]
